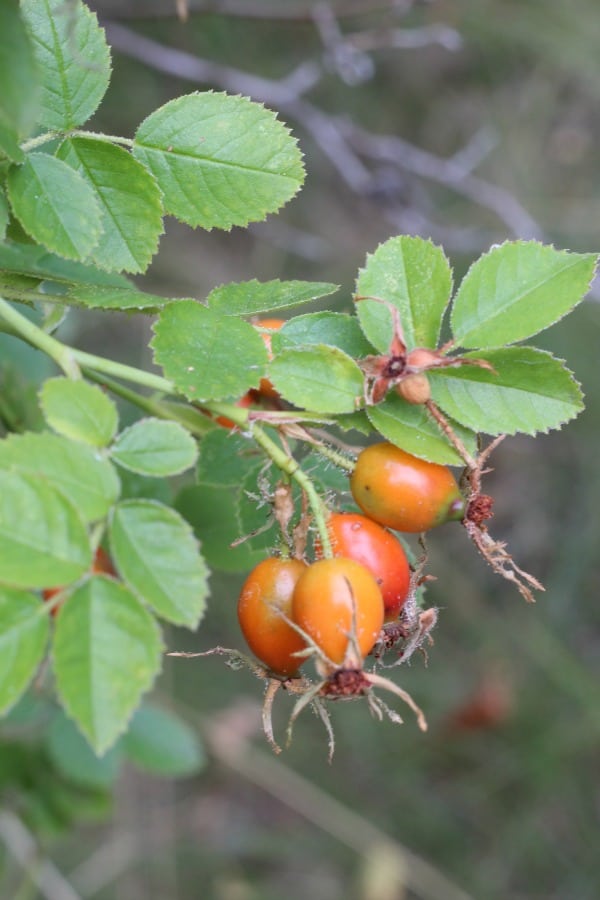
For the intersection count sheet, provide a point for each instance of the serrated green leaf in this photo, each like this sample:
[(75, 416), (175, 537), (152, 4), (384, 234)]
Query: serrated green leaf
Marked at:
[(212, 513), (23, 637), (411, 429), (19, 79), (37, 261), (224, 458), (530, 392), (160, 742), (358, 421), (80, 473), (158, 557), (79, 410), (414, 276), (72, 54), (320, 378), (155, 448), (74, 758), (106, 297), (516, 290), (128, 198), (107, 652), (330, 328), (247, 298), (219, 160), (43, 541), (207, 356), (55, 205)]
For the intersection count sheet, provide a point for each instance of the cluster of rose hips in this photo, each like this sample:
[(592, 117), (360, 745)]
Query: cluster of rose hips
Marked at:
[(359, 596), (338, 610)]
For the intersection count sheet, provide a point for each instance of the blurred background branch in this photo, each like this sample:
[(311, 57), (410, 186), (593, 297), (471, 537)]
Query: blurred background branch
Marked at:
[(373, 166)]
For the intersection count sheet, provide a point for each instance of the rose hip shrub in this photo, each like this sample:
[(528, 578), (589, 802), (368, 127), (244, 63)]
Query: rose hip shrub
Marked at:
[(259, 424)]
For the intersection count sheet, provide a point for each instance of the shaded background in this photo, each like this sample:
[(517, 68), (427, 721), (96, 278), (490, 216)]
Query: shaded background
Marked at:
[(469, 122)]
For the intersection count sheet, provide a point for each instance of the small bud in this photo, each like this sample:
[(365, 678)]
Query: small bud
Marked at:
[(414, 389)]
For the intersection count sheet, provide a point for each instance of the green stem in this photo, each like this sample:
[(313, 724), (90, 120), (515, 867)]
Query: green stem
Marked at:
[(291, 467), (127, 373), (186, 415), (107, 138), (69, 359), (148, 404), (63, 356), (48, 136), (335, 456), (40, 140), (283, 461)]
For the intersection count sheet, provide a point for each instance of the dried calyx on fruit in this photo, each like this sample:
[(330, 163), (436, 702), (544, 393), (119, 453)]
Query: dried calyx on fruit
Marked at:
[(338, 608), (330, 612), (404, 369)]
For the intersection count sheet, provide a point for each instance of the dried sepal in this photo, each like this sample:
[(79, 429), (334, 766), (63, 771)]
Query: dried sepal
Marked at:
[(479, 509), (403, 369)]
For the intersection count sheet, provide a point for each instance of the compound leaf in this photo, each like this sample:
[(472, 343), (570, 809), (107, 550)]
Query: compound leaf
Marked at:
[(224, 458)]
